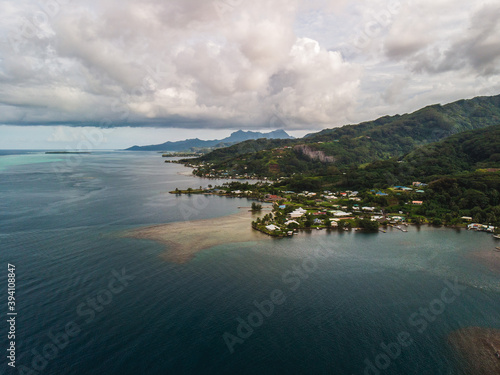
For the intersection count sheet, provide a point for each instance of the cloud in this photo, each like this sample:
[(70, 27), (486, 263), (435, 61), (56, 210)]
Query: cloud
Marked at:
[(233, 63), (432, 46)]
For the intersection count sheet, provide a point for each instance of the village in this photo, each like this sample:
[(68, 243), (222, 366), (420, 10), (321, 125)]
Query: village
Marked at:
[(368, 211)]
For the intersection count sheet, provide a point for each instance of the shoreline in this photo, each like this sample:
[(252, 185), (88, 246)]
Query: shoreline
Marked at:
[(183, 240)]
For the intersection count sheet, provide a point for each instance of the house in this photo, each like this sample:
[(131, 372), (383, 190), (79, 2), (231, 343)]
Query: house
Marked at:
[(403, 188), (272, 198), (370, 209), (420, 191), (338, 213), (319, 213), (299, 212), (272, 227), (419, 184), (419, 203), (291, 222), (331, 197), (481, 227), (397, 218), (466, 218), (318, 221)]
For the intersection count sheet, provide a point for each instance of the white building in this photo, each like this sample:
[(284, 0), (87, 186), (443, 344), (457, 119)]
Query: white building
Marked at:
[(298, 213), (338, 213), (272, 227)]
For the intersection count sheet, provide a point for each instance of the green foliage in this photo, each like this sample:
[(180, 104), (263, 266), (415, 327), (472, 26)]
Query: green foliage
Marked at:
[(256, 207), (368, 225), (375, 141)]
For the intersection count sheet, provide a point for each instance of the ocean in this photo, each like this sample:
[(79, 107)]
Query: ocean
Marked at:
[(90, 301)]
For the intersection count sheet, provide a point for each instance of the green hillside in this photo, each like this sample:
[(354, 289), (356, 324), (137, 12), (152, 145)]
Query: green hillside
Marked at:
[(471, 151), (326, 152)]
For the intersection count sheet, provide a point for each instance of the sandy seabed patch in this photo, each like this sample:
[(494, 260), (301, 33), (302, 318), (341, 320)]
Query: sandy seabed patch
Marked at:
[(185, 239), (477, 347)]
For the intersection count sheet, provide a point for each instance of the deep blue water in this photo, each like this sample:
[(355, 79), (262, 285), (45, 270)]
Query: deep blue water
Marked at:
[(60, 224)]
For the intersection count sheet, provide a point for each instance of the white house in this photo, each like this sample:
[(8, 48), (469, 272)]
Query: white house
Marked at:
[(272, 227), (298, 213), (338, 213), (334, 223)]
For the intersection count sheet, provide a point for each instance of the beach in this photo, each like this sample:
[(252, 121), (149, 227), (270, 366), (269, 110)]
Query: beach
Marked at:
[(183, 240)]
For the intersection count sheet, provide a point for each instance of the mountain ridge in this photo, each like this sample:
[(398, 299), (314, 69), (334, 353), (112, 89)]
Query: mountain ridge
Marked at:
[(380, 139), (189, 144)]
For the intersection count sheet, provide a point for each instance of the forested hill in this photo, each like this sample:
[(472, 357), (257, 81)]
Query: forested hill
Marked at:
[(382, 139), (471, 151)]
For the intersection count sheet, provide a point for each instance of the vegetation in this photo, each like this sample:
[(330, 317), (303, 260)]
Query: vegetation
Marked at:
[(331, 150), (451, 154), (256, 207)]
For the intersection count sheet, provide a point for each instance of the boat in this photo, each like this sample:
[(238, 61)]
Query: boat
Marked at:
[(497, 236), (497, 249)]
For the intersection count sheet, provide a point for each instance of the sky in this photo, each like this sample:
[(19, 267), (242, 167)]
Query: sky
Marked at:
[(112, 74)]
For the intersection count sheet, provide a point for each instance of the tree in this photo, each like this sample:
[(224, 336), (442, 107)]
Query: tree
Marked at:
[(256, 207), (368, 225), (437, 222), (309, 221)]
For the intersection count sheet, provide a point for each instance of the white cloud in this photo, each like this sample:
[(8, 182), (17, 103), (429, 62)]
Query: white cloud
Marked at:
[(226, 64)]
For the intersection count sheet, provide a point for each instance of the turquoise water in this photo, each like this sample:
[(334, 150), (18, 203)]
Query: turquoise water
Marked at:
[(60, 224), (13, 158)]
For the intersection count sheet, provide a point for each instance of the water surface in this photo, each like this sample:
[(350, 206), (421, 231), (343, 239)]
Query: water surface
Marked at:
[(60, 224)]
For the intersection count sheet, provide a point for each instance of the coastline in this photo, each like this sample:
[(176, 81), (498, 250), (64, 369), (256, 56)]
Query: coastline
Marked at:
[(183, 240)]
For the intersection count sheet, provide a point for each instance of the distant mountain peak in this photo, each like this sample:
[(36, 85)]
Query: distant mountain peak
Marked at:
[(235, 137)]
